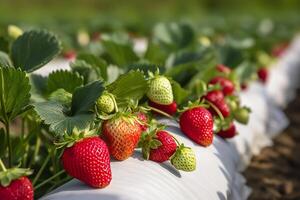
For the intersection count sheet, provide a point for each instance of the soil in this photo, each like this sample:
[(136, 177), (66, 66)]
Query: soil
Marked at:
[(275, 173)]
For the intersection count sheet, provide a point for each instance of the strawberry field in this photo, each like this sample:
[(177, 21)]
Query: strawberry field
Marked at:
[(125, 105)]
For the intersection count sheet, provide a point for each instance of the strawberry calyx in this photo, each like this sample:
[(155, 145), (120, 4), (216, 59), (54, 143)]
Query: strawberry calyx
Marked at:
[(9, 175), (149, 140), (203, 88), (195, 104), (76, 136), (220, 124)]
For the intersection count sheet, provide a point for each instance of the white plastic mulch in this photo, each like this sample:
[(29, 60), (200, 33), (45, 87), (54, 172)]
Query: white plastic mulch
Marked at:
[(217, 176)]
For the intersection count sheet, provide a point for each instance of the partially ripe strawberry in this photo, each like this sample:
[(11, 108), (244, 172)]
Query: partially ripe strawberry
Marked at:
[(165, 150), (197, 124), (223, 68), (184, 159), (228, 133), (19, 189), (170, 109), (106, 103), (216, 97), (160, 90), (226, 84), (88, 160), (122, 134), (263, 74), (142, 117)]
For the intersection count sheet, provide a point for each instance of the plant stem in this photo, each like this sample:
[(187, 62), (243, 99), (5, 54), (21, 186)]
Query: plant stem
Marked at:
[(36, 151), (8, 144), (216, 109), (161, 112), (41, 170), (49, 179), (2, 166)]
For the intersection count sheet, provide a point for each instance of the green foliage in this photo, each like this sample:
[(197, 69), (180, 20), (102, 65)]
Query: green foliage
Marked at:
[(119, 50), (85, 97), (180, 94), (34, 49), (245, 71), (5, 60), (14, 91), (174, 35), (98, 64), (38, 87), (131, 85), (62, 119), (64, 79)]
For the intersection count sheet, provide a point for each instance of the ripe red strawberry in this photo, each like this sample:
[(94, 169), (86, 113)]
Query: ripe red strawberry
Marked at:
[(70, 55), (170, 109), (263, 74), (228, 133), (226, 84), (143, 119), (88, 160), (165, 150), (122, 135), (244, 86), (279, 49), (217, 98), (14, 184), (19, 189), (197, 124), (223, 68)]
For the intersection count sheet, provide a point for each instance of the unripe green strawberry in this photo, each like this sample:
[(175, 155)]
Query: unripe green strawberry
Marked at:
[(106, 103), (184, 159), (242, 115), (160, 90)]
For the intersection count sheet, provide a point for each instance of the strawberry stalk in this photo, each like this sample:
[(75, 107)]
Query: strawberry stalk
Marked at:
[(216, 109), (9, 147), (49, 179), (161, 112), (41, 170), (2, 166)]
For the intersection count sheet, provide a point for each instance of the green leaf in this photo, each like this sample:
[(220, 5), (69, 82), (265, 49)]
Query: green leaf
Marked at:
[(63, 79), (179, 93), (88, 73), (119, 51), (5, 60), (14, 92), (174, 35), (155, 54), (85, 97), (38, 87), (34, 49), (98, 64), (245, 71), (55, 115), (131, 85)]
